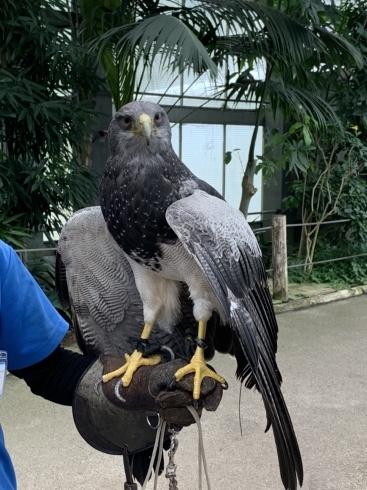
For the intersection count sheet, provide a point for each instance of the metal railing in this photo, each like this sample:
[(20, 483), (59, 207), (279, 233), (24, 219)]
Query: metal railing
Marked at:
[(279, 252), (30, 256), (33, 250), (280, 256), (293, 225)]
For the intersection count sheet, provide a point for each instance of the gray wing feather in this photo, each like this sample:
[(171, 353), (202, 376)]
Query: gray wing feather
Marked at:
[(101, 285), (222, 243), (226, 249)]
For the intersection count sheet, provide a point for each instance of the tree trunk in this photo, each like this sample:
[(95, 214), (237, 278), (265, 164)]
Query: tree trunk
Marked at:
[(303, 242), (85, 155), (248, 189), (279, 258)]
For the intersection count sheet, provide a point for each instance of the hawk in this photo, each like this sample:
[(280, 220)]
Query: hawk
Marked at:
[(177, 231)]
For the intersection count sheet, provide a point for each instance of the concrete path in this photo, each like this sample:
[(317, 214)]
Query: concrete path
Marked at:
[(323, 359)]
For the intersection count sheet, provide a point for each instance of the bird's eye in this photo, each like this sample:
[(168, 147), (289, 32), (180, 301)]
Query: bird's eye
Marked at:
[(158, 118), (125, 121)]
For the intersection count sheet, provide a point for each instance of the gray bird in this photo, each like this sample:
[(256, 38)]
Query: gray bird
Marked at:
[(95, 282), (176, 229)]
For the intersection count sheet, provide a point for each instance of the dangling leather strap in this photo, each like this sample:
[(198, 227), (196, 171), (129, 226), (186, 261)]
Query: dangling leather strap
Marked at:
[(129, 484)]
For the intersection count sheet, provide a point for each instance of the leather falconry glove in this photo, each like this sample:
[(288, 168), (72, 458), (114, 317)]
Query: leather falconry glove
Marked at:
[(111, 417)]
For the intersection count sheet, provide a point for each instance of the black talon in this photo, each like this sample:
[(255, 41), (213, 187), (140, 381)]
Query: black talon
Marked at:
[(96, 386), (117, 391), (171, 383)]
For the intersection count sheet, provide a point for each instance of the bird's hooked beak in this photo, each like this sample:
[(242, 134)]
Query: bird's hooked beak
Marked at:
[(145, 126)]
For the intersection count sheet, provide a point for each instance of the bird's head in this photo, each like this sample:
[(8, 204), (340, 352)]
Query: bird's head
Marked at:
[(140, 124)]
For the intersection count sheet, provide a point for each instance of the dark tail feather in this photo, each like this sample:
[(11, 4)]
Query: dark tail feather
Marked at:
[(61, 283), (266, 378), (290, 460)]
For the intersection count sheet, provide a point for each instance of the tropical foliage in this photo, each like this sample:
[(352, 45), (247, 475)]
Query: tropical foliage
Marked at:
[(201, 35), (291, 39), (329, 170), (11, 232), (340, 274), (130, 36), (291, 84), (44, 117)]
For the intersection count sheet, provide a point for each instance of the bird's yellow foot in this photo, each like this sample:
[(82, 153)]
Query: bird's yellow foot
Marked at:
[(133, 362), (198, 366)]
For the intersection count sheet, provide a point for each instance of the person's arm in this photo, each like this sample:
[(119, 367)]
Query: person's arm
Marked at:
[(30, 327), (56, 377)]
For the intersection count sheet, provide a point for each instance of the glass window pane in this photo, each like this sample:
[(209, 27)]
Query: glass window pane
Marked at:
[(161, 100), (175, 128), (202, 152), (201, 90), (194, 102), (238, 138), (159, 80)]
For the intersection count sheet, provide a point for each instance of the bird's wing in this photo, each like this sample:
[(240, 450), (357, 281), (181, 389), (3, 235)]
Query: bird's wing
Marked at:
[(95, 277), (221, 241), (95, 280)]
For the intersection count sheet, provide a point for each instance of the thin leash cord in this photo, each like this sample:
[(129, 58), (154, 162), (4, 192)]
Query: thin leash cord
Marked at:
[(202, 457), (161, 428), (158, 446), (160, 454)]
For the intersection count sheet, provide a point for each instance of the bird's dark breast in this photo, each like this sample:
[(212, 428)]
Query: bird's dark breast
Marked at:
[(134, 203)]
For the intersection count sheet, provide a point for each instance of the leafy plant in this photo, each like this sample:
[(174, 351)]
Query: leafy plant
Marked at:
[(291, 84), (296, 145), (340, 273), (46, 121), (326, 169), (10, 232), (43, 270), (43, 195), (331, 186)]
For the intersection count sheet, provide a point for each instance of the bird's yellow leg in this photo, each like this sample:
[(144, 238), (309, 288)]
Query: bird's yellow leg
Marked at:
[(198, 366), (133, 362)]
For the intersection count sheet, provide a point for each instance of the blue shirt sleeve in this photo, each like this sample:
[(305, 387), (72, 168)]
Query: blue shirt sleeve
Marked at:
[(7, 475), (30, 327)]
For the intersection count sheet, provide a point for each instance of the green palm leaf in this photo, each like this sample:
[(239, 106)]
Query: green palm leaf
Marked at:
[(339, 48), (204, 34), (264, 28), (293, 101), (301, 102), (164, 34)]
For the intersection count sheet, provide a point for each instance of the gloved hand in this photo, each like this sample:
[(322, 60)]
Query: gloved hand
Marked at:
[(110, 421), (154, 388)]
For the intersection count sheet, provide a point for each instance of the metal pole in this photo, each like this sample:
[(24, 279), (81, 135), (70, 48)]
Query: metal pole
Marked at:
[(280, 274)]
